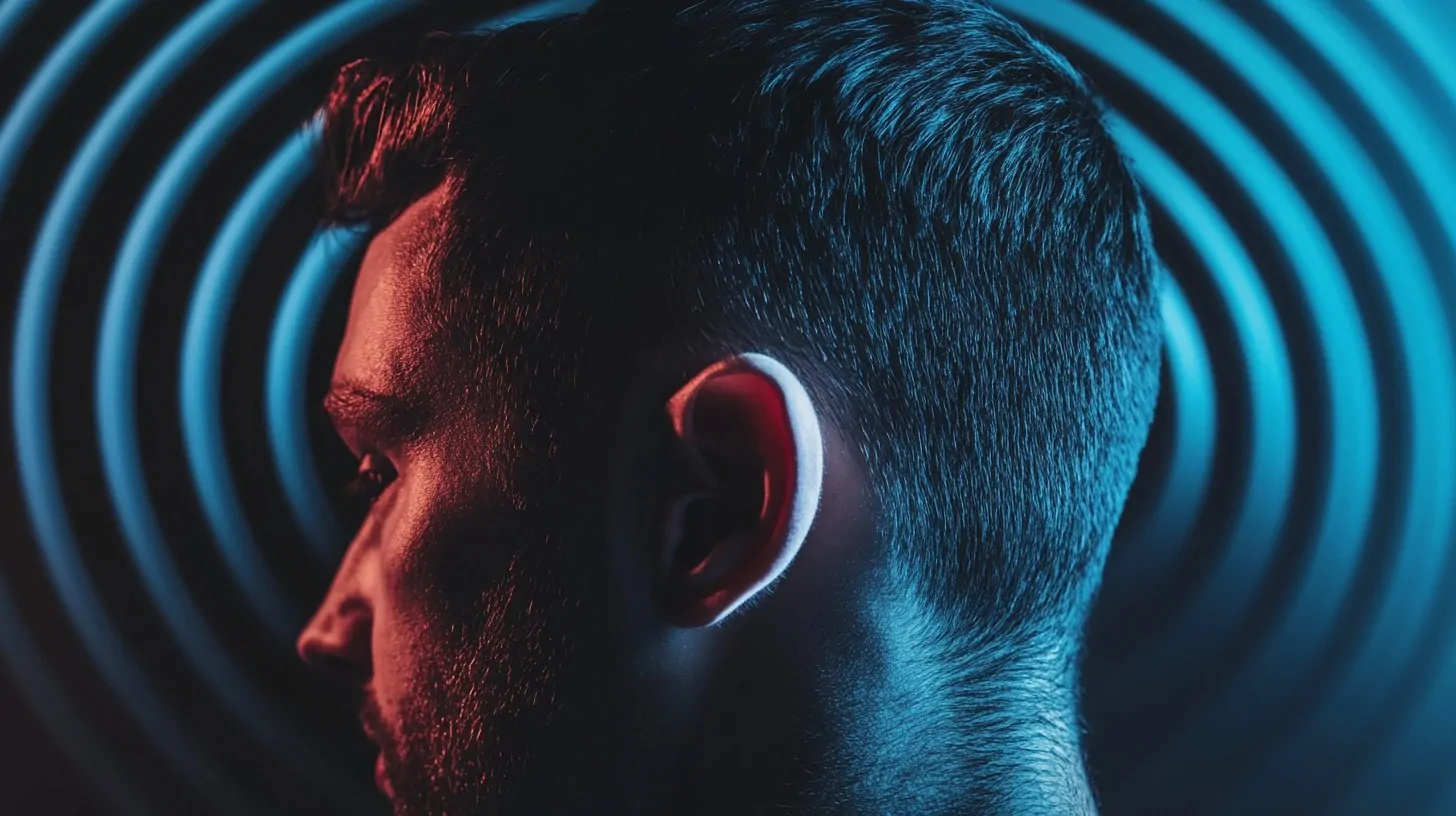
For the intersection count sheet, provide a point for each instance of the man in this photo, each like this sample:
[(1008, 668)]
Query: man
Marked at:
[(746, 394)]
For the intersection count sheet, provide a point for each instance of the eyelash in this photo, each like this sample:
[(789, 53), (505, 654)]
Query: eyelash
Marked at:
[(370, 482)]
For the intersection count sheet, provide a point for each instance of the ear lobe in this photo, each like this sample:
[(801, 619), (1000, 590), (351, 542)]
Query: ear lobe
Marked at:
[(750, 436)]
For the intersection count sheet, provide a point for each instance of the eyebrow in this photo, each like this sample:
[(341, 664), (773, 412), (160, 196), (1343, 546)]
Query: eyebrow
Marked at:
[(373, 417)]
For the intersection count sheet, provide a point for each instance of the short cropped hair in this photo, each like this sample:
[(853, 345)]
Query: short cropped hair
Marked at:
[(914, 203)]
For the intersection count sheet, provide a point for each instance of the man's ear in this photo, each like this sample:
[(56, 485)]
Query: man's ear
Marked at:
[(750, 437)]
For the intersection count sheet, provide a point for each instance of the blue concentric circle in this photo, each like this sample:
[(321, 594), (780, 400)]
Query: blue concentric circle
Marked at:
[(1277, 627)]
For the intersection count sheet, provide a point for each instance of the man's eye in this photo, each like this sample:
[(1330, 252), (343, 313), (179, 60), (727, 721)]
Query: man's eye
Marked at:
[(375, 474)]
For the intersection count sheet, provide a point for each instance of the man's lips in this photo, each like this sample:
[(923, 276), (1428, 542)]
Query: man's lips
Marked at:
[(371, 722), (381, 777), (381, 772)]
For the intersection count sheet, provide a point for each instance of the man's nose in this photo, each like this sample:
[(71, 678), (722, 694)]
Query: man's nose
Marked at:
[(337, 639)]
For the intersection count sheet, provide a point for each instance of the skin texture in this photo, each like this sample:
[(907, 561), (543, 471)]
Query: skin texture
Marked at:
[(430, 647), (527, 606)]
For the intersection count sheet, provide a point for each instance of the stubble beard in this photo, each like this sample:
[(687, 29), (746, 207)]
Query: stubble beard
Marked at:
[(481, 696)]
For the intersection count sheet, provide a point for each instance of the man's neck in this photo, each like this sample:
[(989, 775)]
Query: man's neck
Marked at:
[(906, 766), (993, 757), (952, 723), (844, 739)]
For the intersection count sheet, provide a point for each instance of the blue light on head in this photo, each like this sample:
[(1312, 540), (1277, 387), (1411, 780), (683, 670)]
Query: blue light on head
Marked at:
[(1309, 468)]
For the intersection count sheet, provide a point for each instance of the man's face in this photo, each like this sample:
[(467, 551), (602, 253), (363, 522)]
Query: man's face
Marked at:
[(450, 606)]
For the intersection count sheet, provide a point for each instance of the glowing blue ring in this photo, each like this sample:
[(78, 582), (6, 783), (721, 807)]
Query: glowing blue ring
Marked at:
[(34, 103), (201, 379), (1352, 404), (528, 13), (1256, 328), (1328, 577), (1425, 732), (115, 370), (34, 679), (1143, 549), (1405, 609), (35, 322), (1376, 215), (1268, 370), (1228, 587), (1403, 117), (1151, 548), (1417, 37), (12, 15), (288, 347)]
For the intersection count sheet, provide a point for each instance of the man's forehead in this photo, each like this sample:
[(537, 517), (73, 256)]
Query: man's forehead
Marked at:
[(386, 335), (398, 257)]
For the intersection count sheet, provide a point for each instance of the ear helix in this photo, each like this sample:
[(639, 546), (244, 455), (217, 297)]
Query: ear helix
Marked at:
[(803, 490)]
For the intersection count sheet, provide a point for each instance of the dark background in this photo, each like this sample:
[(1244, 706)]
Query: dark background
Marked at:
[(1277, 632)]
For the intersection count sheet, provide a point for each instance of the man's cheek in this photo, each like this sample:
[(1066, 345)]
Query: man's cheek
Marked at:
[(399, 642), (446, 554)]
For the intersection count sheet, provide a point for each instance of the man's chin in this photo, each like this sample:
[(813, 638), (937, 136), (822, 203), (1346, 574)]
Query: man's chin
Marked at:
[(437, 782)]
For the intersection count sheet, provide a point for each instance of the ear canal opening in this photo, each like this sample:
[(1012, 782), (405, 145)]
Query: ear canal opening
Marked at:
[(706, 522), (740, 475)]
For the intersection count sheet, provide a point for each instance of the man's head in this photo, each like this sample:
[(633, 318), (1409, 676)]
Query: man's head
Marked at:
[(851, 304)]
